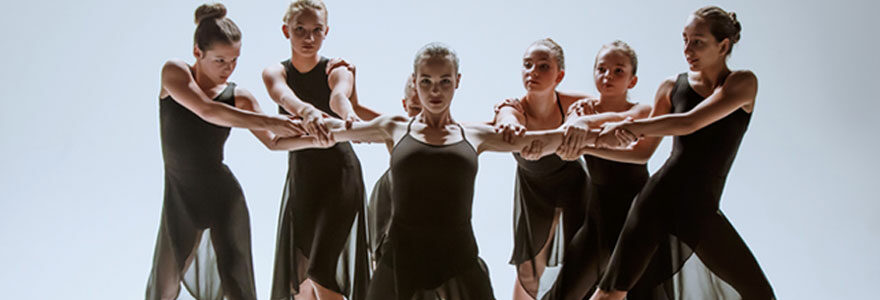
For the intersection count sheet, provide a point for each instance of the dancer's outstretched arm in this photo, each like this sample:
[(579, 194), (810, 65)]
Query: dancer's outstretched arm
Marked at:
[(378, 130), (341, 82), (535, 144), (246, 101), (178, 81), (737, 92), (510, 118), (274, 77), (363, 112), (640, 151)]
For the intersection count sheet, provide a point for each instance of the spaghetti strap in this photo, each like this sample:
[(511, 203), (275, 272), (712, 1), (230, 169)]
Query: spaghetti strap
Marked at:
[(409, 125), (559, 105), (464, 136)]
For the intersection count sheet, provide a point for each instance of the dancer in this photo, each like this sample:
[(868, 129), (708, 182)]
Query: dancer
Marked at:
[(613, 184), (204, 234), (548, 189), (321, 246), (707, 110)]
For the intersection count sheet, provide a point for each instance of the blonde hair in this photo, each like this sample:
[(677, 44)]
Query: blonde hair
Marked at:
[(298, 6), (623, 47), (555, 48), (213, 26)]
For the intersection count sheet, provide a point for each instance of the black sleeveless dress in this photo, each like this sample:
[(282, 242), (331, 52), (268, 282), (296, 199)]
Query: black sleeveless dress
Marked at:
[(541, 187), (321, 234), (677, 214), (431, 252), (204, 216), (613, 187), (379, 215)]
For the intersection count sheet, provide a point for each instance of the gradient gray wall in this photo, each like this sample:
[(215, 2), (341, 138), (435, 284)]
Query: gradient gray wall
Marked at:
[(81, 175)]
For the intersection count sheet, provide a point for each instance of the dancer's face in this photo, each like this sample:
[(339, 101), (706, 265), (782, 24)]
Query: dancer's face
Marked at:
[(540, 72), (411, 103), (613, 73), (701, 49), (436, 80), (219, 60), (306, 31)]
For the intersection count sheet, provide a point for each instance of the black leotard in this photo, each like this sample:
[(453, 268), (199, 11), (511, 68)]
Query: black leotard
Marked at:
[(321, 233), (203, 207), (613, 187), (431, 251), (677, 214), (541, 187)]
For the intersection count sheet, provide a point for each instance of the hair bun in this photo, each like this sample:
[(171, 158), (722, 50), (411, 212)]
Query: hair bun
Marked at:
[(733, 18), (736, 25), (210, 11)]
